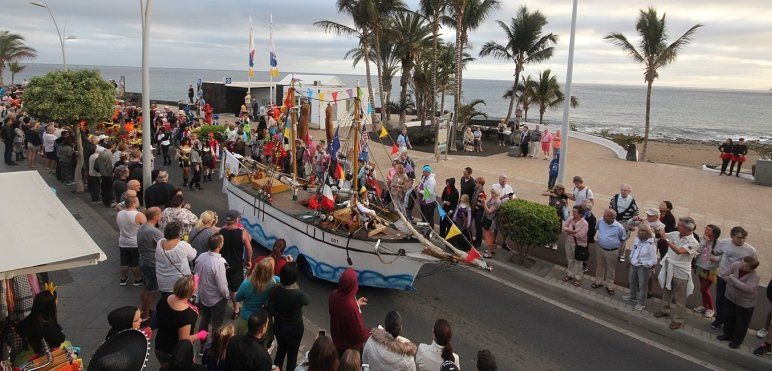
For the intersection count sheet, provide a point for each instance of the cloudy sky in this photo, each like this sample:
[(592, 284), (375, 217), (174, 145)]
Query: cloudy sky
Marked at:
[(731, 51)]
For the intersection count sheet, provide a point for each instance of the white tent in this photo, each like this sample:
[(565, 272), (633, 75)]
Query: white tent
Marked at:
[(38, 233)]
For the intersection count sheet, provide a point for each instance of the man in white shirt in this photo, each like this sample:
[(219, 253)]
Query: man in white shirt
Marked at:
[(506, 193), (582, 194), (675, 277)]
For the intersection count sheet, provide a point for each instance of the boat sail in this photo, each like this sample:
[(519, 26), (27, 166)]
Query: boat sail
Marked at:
[(376, 240)]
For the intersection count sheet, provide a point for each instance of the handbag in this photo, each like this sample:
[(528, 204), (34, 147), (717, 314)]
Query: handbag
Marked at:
[(486, 222), (269, 306), (581, 253)]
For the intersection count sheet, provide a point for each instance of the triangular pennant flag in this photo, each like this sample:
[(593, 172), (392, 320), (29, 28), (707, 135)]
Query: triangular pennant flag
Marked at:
[(309, 93), (360, 93), (408, 168), (339, 174), (453, 232), (322, 96), (383, 133), (350, 92), (370, 109), (442, 212), (335, 145), (335, 96), (287, 133), (427, 194), (394, 149), (472, 255), (300, 84)]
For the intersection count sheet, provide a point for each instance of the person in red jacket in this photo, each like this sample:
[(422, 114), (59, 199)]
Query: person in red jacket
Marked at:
[(347, 327)]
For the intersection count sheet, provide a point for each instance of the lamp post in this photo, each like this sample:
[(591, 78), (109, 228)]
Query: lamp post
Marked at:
[(62, 38), (147, 154), (567, 101)]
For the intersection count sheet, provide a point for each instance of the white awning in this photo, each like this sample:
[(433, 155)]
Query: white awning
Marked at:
[(38, 233)]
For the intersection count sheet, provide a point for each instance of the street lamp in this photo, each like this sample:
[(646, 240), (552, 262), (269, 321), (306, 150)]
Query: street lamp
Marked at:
[(147, 155), (567, 101), (61, 33)]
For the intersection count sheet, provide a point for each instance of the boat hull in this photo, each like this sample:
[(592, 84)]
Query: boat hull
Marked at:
[(328, 254)]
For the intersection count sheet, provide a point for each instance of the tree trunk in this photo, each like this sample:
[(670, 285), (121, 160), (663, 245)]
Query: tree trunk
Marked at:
[(403, 90), (13, 77), (541, 115), (378, 61), (442, 102), (459, 52), (525, 113), (366, 46), (518, 67), (433, 100), (79, 160), (648, 113)]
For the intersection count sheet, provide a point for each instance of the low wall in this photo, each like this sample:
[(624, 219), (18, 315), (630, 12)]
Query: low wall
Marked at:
[(618, 150)]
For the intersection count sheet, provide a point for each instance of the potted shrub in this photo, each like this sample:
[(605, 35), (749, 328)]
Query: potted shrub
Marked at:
[(528, 225), (762, 171)]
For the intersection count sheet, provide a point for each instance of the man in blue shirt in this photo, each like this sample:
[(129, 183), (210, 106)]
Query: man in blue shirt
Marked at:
[(610, 237), (553, 171)]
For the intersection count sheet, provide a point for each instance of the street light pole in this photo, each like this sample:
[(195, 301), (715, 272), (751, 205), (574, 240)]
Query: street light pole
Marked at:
[(567, 100), (147, 154), (56, 25)]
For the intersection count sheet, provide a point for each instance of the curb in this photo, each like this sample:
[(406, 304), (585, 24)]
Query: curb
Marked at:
[(689, 335)]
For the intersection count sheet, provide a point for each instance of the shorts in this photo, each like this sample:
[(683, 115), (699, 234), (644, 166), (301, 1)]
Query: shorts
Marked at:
[(148, 273), (31, 146), (234, 276), (50, 155), (726, 156), (129, 256), (738, 158)]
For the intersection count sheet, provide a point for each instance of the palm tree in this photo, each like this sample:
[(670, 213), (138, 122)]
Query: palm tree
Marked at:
[(464, 16), (653, 51), (12, 49), (412, 36), (546, 93), (379, 13), (523, 94), (466, 112), (15, 67), (434, 10), (389, 64), (526, 44), (447, 69)]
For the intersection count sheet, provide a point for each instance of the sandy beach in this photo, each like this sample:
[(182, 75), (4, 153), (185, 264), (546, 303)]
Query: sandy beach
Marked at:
[(692, 155)]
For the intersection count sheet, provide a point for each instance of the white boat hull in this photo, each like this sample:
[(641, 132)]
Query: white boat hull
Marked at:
[(328, 254)]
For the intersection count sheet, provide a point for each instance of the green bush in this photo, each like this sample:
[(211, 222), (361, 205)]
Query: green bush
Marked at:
[(218, 130), (528, 225)]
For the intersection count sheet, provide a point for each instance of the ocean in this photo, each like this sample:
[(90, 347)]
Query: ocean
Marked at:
[(676, 113)]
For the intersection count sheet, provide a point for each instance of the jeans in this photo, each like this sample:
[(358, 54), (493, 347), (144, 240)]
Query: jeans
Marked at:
[(212, 315), (93, 187), (551, 181), (677, 290), (478, 229), (107, 190), (639, 282), (721, 301), (8, 151), (288, 338), (736, 321)]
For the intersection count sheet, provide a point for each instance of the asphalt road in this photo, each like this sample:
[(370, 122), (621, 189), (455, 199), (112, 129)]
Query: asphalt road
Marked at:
[(523, 332)]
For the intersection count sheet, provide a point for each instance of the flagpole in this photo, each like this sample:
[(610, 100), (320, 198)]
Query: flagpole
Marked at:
[(567, 101), (249, 70), (272, 88)]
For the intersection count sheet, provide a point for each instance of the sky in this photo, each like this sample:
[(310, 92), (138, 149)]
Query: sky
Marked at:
[(731, 51)]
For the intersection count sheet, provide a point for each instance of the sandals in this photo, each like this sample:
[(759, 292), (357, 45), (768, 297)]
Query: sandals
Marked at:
[(577, 283), (595, 285), (567, 278)]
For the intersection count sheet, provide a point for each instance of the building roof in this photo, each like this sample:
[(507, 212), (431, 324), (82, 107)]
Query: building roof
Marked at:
[(325, 80)]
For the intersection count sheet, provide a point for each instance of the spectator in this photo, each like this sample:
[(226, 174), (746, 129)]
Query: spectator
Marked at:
[(478, 210), (449, 202), (741, 296), (213, 291), (104, 166), (204, 229), (428, 195), (556, 140), (707, 268), (289, 301), (171, 258), (468, 183), (41, 324), (642, 258), (403, 141), (386, 350), (160, 193), (462, 218), (729, 251), (350, 361), (430, 357), (559, 200), (552, 174), (94, 179), (247, 352), (148, 238), (500, 130), (626, 209), (129, 221), (766, 347), (123, 318), (119, 184), (489, 225), (535, 137), (277, 253), (486, 361), (468, 140), (525, 140), (477, 139), (575, 229), (65, 153), (323, 356), (346, 324), (675, 277), (254, 292), (178, 212), (546, 138), (611, 236), (237, 243), (214, 354), (176, 320), (581, 194), (667, 218), (505, 193)]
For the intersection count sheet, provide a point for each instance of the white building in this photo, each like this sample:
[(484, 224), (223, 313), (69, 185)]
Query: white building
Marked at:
[(324, 90)]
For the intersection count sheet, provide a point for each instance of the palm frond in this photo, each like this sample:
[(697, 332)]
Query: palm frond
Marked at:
[(337, 28), (621, 41), (671, 52)]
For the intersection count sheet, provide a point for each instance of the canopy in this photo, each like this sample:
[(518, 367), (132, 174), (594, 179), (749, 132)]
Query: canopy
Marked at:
[(38, 232)]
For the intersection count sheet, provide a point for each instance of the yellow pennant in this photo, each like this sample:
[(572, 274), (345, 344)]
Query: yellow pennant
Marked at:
[(383, 133), (453, 232), (287, 133), (321, 96)]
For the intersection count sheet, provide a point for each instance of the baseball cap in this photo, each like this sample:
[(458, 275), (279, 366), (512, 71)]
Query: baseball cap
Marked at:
[(652, 212), (232, 216)]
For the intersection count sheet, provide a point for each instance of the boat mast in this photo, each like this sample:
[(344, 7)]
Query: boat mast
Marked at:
[(293, 126), (355, 160)]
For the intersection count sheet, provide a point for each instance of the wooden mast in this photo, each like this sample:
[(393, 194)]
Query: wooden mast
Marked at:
[(293, 127), (355, 160)]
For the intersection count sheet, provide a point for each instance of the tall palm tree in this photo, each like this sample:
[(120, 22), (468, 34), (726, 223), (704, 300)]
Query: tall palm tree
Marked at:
[(525, 43), (379, 13), (653, 51), (412, 36), (433, 10), (464, 16), (15, 67), (469, 111), (389, 66), (13, 49), (546, 93), (523, 94)]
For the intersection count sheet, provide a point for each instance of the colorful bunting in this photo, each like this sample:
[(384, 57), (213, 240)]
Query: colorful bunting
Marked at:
[(335, 96), (395, 150), (309, 93), (322, 96), (442, 212), (427, 194), (453, 232), (370, 109), (339, 174), (472, 255), (383, 132), (350, 92), (360, 93)]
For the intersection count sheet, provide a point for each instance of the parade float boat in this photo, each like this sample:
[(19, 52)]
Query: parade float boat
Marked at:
[(321, 224)]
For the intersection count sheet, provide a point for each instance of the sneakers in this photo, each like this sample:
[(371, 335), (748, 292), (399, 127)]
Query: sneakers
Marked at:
[(138, 282), (709, 313), (762, 333), (124, 281), (763, 349), (716, 326), (699, 309), (629, 298), (638, 307)]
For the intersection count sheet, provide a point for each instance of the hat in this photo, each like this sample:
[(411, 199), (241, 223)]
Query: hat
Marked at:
[(102, 137), (427, 168), (126, 350), (232, 216), (652, 212)]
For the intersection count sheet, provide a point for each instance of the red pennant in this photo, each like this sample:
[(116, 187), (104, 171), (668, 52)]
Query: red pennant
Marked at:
[(472, 255), (394, 149), (335, 96), (339, 174)]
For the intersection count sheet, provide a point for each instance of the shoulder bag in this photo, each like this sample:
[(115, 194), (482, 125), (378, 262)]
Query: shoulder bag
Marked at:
[(581, 253)]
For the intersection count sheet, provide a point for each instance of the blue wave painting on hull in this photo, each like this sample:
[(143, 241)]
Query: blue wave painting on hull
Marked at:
[(328, 272)]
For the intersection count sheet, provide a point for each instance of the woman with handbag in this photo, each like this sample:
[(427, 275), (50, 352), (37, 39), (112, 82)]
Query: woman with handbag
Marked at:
[(577, 252), (488, 223)]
